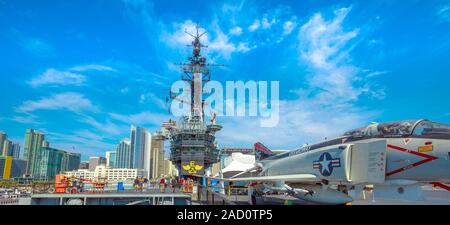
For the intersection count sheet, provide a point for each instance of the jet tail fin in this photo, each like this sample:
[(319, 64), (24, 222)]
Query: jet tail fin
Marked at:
[(261, 151)]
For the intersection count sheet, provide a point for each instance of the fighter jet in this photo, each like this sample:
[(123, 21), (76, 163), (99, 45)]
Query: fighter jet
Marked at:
[(395, 158)]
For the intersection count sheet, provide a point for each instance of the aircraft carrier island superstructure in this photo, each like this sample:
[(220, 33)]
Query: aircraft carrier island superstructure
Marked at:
[(193, 147)]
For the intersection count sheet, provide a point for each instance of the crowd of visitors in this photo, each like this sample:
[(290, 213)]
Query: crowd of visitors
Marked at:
[(140, 184), (173, 183)]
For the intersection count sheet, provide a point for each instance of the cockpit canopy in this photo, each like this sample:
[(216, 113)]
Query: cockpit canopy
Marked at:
[(426, 127), (401, 128)]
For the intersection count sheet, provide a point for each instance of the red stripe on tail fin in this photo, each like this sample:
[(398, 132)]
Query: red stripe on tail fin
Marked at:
[(262, 148), (261, 151)]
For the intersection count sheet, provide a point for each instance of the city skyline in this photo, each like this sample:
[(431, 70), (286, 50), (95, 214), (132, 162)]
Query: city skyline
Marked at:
[(15, 146), (340, 66)]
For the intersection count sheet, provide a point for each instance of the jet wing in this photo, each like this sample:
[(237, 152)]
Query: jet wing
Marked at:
[(292, 177)]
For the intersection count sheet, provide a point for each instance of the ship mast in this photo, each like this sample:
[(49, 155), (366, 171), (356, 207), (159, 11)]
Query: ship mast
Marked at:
[(196, 73)]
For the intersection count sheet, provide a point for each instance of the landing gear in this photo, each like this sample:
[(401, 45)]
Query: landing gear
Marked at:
[(343, 189)]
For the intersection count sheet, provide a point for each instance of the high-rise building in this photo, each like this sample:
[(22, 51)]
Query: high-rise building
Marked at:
[(83, 166), (110, 159), (157, 156), (7, 148), (53, 161), (95, 161), (11, 168), (170, 169), (16, 150), (45, 144), (49, 163), (123, 154), (5, 167), (215, 168), (33, 144), (18, 168), (139, 146), (148, 155), (70, 161), (3, 137)]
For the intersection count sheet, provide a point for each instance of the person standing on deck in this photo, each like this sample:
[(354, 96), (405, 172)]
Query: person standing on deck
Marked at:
[(162, 184), (135, 184)]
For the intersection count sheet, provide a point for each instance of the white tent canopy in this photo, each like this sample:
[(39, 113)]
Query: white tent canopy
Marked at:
[(239, 162)]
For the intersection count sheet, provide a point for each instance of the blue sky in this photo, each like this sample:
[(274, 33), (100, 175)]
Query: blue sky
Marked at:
[(83, 71)]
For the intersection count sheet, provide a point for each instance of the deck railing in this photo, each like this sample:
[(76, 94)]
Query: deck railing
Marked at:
[(9, 201)]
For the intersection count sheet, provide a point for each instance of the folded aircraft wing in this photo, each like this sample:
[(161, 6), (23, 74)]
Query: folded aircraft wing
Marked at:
[(292, 177)]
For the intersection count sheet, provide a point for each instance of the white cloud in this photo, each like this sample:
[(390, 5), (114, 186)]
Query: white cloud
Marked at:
[(27, 119), (236, 31), (179, 37), (141, 119), (373, 42), (71, 76), (95, 67), (444, 13), (37, 46), (323, 48), (141, 11), (222, 45), (229, 8), (326, 107), (107, 127), (267, 28), (243, 47), (301, 121), (288, 27), (217, 41), (71, 101), (82, 141), (55, 77), (371, 73), (88, 134), (255, 25), (266, 24), (150, 97), (124, 90)]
